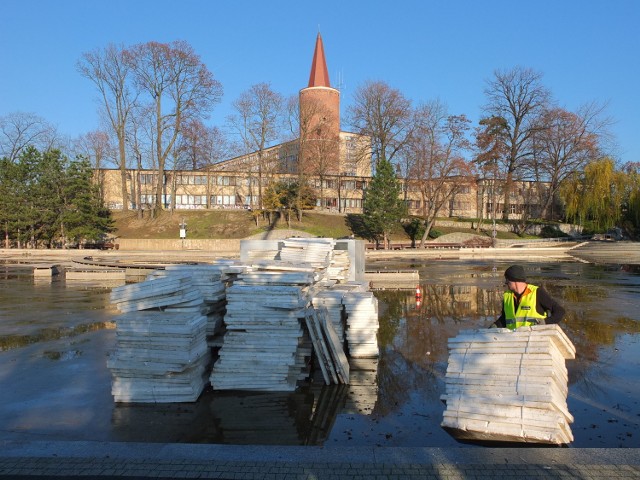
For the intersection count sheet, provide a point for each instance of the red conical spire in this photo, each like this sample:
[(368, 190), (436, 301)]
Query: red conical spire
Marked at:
[(319, 76)]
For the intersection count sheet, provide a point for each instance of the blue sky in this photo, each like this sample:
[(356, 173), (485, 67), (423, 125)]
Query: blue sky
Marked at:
[(587, 50)]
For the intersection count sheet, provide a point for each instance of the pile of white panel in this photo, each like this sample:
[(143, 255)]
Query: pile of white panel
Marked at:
[(264, 347), (504, 385), (211, 280), (339, 265), (156, 294), (362, 323), (312, 251), (160, 356)]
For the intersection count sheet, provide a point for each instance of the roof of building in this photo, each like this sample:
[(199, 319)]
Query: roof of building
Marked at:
[(319, 76)]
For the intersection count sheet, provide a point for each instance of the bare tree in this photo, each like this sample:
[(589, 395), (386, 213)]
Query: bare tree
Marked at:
[(565, 142), (180, 87), (490, 159), (19, 130), (383, 114), (518, 97), (436, 149), (201, 145), (257, 121), (97, 147), (111, 74)]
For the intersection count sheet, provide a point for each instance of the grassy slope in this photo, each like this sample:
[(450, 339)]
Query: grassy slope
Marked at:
[(238, 224)]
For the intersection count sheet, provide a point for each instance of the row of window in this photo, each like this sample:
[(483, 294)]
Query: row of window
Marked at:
[(345, 184), (226, 180), (414, 187), (453, 205), (184, 201)]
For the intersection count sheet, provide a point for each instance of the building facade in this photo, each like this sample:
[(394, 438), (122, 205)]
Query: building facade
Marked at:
[(335, 163)]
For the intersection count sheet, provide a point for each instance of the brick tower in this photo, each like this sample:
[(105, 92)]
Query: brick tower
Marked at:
[(319, 119)]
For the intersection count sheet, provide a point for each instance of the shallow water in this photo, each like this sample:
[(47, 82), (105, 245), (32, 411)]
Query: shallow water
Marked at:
[(56, 338)]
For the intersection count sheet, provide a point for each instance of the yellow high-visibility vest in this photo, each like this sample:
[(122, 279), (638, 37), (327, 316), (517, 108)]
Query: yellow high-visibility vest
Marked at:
[(526, 315)]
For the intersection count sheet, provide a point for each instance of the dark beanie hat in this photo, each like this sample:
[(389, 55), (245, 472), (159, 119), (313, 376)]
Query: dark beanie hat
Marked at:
[(515, 273)]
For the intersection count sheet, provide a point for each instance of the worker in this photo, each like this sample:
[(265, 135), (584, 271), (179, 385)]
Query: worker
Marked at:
[(525, 305)]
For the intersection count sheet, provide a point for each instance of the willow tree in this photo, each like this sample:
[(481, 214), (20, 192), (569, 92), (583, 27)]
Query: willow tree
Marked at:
[(596, 195)]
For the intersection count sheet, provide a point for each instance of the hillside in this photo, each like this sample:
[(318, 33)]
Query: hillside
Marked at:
[(242, 224), (222, 224)]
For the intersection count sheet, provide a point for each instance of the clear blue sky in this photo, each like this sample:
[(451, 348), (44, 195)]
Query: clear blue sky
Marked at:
[(587, 50)]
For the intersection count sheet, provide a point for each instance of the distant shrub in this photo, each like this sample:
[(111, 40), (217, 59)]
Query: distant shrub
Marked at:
[(549, 231), (435, 233)]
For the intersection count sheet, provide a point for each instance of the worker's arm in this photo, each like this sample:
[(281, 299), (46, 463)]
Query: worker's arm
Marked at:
[(546, 303), (500, 322)]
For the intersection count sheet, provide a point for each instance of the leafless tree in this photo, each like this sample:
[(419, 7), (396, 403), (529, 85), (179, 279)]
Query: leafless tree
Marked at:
[(491, 153), (383, 114), (180, 88), (436, 157), (97, 147), (111, 74), (565, 142), (19, 130), (518, 97), (257, 121)]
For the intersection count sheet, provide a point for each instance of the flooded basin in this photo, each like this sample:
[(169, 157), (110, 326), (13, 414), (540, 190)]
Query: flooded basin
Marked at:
[(57, 336)]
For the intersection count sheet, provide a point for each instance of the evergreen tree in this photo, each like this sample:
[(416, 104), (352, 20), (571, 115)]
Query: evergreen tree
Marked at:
[(45, 200), (84, 218), (383, 207)]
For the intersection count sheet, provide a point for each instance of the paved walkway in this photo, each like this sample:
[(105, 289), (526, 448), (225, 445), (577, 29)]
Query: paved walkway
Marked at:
[(28, 459)]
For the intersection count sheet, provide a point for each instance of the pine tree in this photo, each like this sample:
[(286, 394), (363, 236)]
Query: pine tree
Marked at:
[(383, 207), (84, 217)]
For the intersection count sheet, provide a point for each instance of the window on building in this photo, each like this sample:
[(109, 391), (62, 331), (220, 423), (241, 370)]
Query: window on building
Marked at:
[(147, 178)]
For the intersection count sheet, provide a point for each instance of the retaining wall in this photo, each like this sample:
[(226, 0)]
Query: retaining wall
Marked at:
[(211, 244)]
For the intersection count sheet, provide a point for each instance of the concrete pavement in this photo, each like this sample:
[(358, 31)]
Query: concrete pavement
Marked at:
[(45, 459)]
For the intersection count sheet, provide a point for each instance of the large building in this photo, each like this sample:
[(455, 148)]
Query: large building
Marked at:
[(335, 163)]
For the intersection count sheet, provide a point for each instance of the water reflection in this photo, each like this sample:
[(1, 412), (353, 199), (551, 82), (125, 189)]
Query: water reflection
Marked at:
[(56, 337)]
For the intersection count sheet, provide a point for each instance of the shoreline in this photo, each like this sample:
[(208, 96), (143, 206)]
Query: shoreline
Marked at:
[(30, 256)]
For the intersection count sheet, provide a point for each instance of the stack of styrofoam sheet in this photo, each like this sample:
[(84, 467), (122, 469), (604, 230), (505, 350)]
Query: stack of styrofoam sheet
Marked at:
[(159, 357), (504, 385), (264, 345), (362, 323), (314, 252), (339, 266), (155, 293), (210, 280), (255, 250)]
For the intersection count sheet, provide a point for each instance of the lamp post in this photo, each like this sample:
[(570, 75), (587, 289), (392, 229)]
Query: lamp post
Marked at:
[(183, 231)]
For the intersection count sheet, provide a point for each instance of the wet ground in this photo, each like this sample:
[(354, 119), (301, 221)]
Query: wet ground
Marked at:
[(56, 338)]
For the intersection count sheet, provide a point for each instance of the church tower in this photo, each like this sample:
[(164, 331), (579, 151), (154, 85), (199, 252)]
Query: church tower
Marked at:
[(319, 119)]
